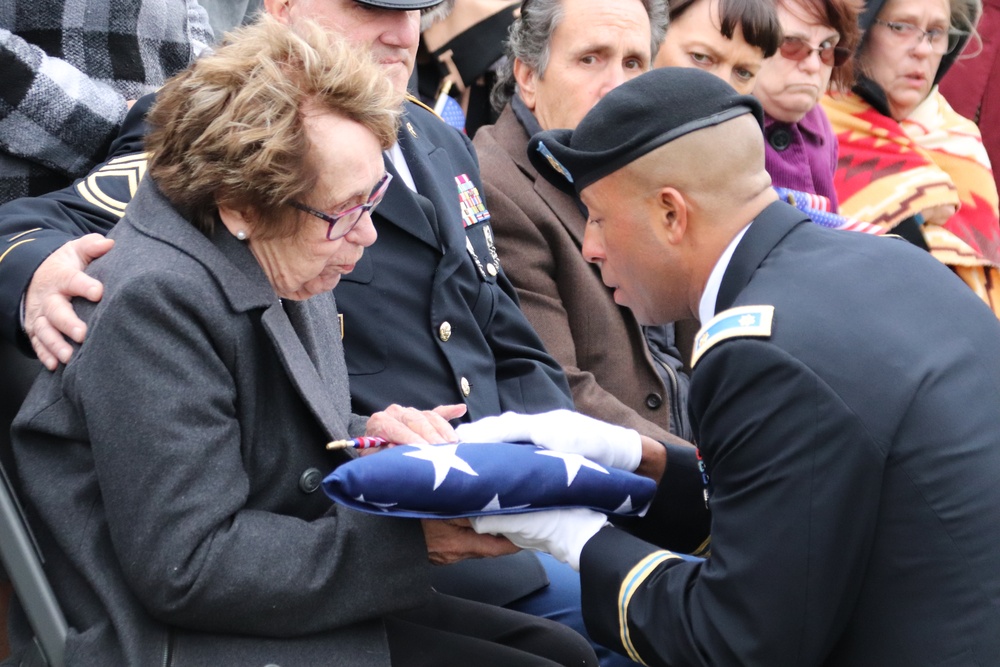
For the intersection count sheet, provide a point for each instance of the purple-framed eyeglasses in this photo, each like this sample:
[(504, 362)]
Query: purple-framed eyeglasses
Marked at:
[(342, 223)]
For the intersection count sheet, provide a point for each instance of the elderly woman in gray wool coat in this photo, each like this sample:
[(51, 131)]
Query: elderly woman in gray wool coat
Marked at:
[(171, 469)]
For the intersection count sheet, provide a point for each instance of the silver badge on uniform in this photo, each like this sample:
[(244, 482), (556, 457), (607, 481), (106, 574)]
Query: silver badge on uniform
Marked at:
[(488, 233), (475, 257)]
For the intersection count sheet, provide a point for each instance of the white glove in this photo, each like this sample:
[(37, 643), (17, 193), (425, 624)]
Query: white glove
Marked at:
[(562, 533), (561, 431)]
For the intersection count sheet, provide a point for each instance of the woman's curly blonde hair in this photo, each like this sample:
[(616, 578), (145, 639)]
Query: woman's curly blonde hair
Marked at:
[(228, 131)]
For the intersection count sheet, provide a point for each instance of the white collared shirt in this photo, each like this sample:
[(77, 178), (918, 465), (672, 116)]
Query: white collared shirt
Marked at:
[(706, 307), (395, 155)]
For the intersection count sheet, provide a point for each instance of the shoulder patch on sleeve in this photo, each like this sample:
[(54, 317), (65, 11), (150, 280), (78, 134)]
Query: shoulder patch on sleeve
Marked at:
[(113, 185), (741, 322)]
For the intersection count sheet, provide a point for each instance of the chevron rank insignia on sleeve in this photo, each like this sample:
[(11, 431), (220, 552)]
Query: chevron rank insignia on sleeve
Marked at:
[(741, 322), (113, 185)]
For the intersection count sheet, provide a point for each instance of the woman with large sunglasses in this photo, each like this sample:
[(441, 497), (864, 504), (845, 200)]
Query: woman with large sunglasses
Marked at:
[(818, 39), (908, 162)]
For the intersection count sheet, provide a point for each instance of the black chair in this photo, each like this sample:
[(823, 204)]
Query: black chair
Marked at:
[(19, 552), (23, 562)]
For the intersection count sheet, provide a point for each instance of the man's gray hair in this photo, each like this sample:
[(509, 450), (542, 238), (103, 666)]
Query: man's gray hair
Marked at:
[(432, 15), (530, 38)]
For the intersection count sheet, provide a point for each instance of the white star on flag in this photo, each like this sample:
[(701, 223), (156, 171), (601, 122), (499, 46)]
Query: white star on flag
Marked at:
[(494, 506), (625, 507), (385, 506), (573, 463), (444, 458)]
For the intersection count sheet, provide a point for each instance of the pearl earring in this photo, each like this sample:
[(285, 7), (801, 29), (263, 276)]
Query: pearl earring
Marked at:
[(241, 235)]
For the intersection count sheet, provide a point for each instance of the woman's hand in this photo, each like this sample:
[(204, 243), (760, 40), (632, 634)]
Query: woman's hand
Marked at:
[(452, 540), (404, 426), (938, 215)]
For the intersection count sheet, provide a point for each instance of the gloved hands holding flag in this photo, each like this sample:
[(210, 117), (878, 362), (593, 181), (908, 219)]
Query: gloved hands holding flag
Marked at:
[(561, 431), (562, 533)]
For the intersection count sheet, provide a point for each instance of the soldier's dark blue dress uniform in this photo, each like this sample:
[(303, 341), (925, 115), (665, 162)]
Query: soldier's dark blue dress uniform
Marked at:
[(844, 398), (429, 318), (430, 310), (33, 228), (853, 449)]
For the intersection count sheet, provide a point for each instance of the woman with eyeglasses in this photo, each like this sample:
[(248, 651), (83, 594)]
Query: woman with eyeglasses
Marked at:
[(174, 464), (818, 39), (908, 162)]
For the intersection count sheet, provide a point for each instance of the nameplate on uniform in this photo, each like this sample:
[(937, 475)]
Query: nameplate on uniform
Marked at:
[(740, 322)]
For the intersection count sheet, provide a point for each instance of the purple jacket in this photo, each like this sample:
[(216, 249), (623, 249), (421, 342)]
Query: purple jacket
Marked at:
[(802, 156)]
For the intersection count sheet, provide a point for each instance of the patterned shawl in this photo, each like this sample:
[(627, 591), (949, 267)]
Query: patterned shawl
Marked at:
[(888, 172)]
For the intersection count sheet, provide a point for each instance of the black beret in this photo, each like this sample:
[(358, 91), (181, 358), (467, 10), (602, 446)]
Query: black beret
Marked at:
[(633, 119)]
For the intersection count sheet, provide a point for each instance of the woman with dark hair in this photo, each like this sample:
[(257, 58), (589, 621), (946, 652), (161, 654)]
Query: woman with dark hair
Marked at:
[(819, 39), (908, 162), (727, 38)]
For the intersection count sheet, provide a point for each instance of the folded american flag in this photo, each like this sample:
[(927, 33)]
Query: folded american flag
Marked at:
[(474, 479), (820, 210)]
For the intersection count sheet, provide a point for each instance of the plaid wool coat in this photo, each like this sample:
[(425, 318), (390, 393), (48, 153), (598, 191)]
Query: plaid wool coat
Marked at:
[(67, 70)]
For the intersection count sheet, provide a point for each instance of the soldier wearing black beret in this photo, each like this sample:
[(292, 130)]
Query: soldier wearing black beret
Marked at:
[(852, 488)]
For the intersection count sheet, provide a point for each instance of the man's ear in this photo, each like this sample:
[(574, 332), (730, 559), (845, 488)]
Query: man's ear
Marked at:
[(279, 9), (673, 215), (526, 78)]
